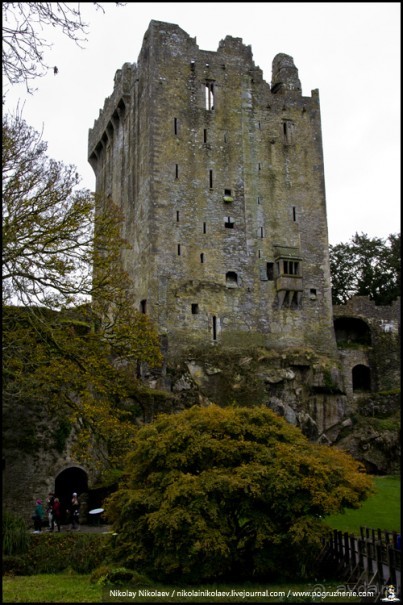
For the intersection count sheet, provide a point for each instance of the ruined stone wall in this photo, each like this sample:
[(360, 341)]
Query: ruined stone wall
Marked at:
[(33, 458), (220, 179), (386, 316), (382, 355)]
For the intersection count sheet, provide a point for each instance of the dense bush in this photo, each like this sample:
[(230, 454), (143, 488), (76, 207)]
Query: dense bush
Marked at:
[(16, 565), (53, 553), (106, 575), (234, 493), (26, 554)]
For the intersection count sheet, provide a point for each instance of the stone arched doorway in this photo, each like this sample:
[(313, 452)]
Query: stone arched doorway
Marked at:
[(361, 378), (70, 480)]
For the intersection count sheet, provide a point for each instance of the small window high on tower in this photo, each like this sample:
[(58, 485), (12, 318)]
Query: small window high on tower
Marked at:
[(231, 278), (209, 95)]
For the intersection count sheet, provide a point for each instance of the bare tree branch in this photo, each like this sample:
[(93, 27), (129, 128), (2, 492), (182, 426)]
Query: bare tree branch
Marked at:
[(24, 36)]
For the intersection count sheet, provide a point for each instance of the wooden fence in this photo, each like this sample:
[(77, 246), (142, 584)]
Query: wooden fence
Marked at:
[(372, 559)]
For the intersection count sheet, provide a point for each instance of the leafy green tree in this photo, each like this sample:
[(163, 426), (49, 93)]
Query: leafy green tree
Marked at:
[(230, 493), (366, 266)]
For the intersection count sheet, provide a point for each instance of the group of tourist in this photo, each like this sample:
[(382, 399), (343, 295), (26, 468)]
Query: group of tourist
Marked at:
[(53, 513)]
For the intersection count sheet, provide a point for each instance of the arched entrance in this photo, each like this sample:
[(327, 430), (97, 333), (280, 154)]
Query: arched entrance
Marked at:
[(70, 480), (361, 378)]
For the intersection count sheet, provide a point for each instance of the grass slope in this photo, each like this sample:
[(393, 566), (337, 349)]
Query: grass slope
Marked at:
[(380, 511)]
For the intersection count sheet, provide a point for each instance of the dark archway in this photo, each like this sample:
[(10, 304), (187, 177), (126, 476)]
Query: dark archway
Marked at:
[(68, 481), (361, 378), (351, 331)]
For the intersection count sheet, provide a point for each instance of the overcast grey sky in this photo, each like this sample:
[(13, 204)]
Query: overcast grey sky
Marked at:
[(350, 51)]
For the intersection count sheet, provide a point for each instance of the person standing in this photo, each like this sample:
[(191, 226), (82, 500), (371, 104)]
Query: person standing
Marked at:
[(75, 511), (57, 514), (49, 509), (37, 517)]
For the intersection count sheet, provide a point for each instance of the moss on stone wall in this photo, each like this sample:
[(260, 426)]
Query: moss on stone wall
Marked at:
[(61, 434)]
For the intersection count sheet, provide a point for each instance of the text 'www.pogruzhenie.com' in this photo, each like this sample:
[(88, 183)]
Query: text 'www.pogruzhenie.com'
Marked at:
[(318, 592)]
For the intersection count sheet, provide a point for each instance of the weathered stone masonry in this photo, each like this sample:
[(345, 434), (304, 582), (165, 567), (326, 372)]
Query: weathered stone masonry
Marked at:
[(221, 181)]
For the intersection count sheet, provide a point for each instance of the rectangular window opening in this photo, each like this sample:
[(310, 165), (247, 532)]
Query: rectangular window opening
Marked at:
[(177, 216), (143, 306), (209, 95), (231, 277), (195, 309), (205, 135), (179, 249), (227, 191), (211, 178), (291, 267), (261, 232), (270, 271), (294, 214), (204, 227), (202, 257), (176, 171), (214, 327), (229, 223), (176, 125)]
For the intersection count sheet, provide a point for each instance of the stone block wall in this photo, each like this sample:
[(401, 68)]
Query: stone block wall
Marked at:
[(221, 181), (381, 353)]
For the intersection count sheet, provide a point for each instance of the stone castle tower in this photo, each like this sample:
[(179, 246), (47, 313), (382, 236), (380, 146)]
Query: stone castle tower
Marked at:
[(220, 177)]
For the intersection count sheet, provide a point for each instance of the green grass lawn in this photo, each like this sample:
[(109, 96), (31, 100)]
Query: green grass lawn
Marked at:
[(50, 588), (65, 588), (380, 511)]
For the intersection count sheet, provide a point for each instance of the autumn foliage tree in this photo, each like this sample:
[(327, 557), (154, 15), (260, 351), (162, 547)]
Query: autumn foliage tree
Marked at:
[(72, 341), (59, 365), (234, 493), (47, 228)]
